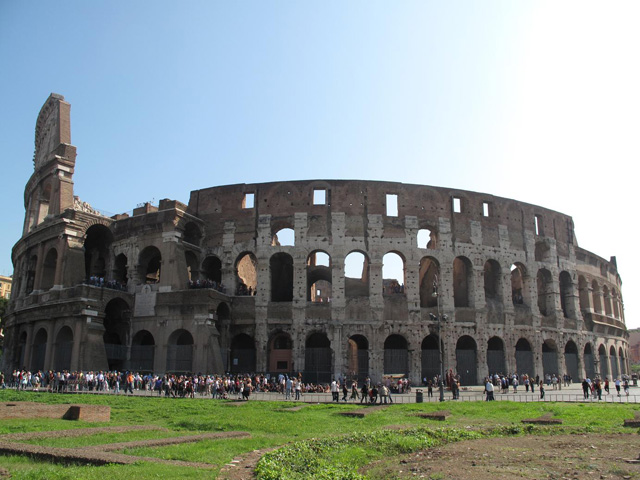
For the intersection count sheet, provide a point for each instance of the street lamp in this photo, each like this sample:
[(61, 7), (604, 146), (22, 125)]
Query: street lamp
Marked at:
[(439, 318)]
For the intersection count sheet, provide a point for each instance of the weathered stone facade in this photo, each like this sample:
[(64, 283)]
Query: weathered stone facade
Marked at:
[(213, 286)]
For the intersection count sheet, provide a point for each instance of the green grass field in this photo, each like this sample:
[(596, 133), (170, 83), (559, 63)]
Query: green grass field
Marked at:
[(317, 442)]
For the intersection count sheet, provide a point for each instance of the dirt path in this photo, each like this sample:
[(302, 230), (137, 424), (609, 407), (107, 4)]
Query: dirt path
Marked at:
[(570, 457)]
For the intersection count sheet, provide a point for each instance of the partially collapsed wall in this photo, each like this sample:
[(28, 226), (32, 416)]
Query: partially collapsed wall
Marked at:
[(322, 277)]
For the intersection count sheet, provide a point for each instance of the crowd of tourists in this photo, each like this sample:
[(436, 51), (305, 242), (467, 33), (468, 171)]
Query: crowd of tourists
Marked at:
[(102, 283), (219, 286)]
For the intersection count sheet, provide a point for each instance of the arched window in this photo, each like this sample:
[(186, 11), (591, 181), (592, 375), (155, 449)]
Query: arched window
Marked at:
[(319, 277), (212, 269), (566, 295), (120, 270), (149, 265), (97, 251), (192, 234), (462, 281), (429, 272), (246, 274), (519, 294), (392, 274), (49, 269), (596, 294), (285, 237), (426, 239), (492, 281), (583, 287), (545, 293), (356, 273), (281, 268), (193, 272), (606, 299)]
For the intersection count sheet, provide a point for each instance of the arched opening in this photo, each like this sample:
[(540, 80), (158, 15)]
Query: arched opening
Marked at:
[(317, 359), (192, 234), (117, 328), (193, 274), (358, 358), (285, 237), (596, 294), (396, 356), (583, 287), (120, 270), (39, 350), (143, 349), (466, 364), (566, 295), (180, 352), (614, 301), (246, 274), (615, 371), (545, 293), (606, 299), (462, 282), (589, 361), (571, 360), (31, 273), (603, 360), (281, 353), (623, 362), (49, 270), (97, 246), (243, 354), (281, 268), (426, 238), (429, 272), (356, 275), (212, 269), (430, 358), (319, 277), (149, 265), (392, 274), (63, 350), (524, 358), (518, 291), (550, 358), (495, 356), (492, 281)]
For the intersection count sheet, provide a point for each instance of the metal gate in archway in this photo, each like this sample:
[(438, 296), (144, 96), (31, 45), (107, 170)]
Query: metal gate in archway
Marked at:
[(571, 362), (495, 361), (317, 365), (550, 363), (430, 363), (589, 365), (466, 366), (524, 362), (614, 366), (396, 361)]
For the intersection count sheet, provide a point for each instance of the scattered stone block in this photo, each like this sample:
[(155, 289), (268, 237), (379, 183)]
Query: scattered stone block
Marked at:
[(635, 422), (440, 415), (543, 420)]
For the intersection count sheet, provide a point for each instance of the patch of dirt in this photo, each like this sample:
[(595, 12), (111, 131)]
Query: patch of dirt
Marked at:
[(242, 468), (558, 457)]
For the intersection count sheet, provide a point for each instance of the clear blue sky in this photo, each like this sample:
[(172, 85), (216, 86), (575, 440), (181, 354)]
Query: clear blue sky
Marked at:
[(537, 101)]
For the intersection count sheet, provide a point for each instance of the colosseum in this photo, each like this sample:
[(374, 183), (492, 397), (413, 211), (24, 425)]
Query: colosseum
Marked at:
[(291, 277)]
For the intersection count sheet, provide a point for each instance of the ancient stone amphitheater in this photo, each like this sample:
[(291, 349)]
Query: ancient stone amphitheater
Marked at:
[(293, 277)]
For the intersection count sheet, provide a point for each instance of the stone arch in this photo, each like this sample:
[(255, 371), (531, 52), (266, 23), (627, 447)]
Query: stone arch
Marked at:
[(193, 273), (393, 273), (19, 360), (149, 265), (571, 360), (566, 295), (49, 269), (428, 275), (356, 274), (462, 282), (31, 273), (606, 299), (519, 288), (427, 238), (603, 360), (243, 354), (583, 288), (492, 281), (615, 371), (192, 234), (117, 330), (616, 303), (524, 357), (120, 269), (495, 356), (396, 355), (358, 358), (595, 292), (319, 277), (550, 357), (63, 349), (143, 350), (180, 352), (212, 269), (97, 251), (284, 237), (623, 361), (466, 360), (318, 358), (39, 349), (281, 269), (589, 361), (246, 273), (430, 357), (546, 303), (280, 353)]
